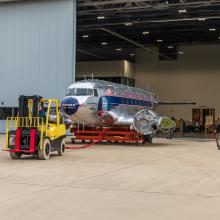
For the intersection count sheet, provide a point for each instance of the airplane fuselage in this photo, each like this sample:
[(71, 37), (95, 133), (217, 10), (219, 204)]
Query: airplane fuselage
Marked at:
[(96, 102)]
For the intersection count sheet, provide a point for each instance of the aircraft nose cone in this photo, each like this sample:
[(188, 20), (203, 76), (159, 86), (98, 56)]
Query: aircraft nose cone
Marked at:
[(69, 105)]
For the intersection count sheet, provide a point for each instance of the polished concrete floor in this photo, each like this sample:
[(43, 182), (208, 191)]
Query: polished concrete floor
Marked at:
[(169, 180)]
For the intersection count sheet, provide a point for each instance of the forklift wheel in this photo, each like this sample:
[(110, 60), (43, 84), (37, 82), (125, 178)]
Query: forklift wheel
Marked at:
[(15, 155), (62, 148), (46, 151)]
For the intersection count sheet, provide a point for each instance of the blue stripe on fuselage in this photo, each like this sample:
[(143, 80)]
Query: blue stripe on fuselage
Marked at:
[(114, 101)]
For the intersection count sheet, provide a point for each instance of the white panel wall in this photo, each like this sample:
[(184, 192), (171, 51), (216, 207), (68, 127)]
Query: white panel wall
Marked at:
[(37, 49)]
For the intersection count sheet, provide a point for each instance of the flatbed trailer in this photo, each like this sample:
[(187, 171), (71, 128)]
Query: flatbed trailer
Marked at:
[(106, 134)]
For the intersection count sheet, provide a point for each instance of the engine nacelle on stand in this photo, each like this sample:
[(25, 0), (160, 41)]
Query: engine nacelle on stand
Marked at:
[(146, 121), (166, 124)]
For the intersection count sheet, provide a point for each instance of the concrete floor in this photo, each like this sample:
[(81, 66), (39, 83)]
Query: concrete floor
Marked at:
[(172, 179)]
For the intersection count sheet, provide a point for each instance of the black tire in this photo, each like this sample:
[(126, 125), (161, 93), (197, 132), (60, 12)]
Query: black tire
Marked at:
[(15, 155), (62, 148), (148, 139), (46, 151)]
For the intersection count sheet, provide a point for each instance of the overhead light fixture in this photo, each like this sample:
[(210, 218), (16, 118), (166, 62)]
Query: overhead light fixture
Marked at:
[(104, 43), (85, 36), (159, 40), (170, 47), (201, 19), (182, 11), (100, 17), (180, 52), (219, 38), (132, 54), (118, 49), (145, 32), (128, 24), (167, 2), (212, 29)]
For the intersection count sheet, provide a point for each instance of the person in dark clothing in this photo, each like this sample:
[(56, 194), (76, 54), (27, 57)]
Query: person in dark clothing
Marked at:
[(217, 129), (42, 113), (217, 132)]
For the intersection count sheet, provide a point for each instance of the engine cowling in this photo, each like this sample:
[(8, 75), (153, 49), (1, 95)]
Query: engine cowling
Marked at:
[(166, 124), (144, 121)]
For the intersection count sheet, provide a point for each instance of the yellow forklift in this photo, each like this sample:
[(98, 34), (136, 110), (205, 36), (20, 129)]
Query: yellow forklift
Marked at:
[(38, 129)]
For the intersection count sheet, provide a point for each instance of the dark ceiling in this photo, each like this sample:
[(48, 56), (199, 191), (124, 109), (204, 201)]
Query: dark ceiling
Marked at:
[(113, 29)]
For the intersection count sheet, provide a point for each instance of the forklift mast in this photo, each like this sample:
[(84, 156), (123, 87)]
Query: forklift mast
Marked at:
[(24, 107)]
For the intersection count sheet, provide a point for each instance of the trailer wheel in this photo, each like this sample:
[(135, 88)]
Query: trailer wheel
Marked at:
[(44, 154), (148, 139), (62, 148), (15, 155)]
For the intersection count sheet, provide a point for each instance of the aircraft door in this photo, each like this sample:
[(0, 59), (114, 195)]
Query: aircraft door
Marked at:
[(93, 101)]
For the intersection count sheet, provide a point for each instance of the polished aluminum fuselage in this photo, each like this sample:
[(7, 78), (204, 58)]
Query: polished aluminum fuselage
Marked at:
[(112, 104)]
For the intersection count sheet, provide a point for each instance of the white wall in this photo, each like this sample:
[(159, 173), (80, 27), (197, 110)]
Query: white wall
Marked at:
[(194, 76), (36, 48)]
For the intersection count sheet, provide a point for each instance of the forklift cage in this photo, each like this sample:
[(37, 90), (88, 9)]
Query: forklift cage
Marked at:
[(14, 123)]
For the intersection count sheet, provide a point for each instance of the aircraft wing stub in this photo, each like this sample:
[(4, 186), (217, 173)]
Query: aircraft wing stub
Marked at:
[(176, 103)]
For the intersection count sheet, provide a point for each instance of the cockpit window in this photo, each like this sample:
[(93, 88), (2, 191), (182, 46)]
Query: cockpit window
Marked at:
[(80, 92)]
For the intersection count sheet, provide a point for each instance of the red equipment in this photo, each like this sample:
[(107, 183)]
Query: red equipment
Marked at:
[(108, 135)]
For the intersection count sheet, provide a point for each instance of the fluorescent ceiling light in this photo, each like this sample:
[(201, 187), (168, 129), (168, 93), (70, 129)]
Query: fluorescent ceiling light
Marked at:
[(100, 17), (104, 43), (159, 40), (128, 24), (145, 32), (182, 11), (212, 29), (85, 36)]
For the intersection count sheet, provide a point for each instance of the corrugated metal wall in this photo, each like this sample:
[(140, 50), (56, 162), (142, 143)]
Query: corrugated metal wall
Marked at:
[(37, 49)]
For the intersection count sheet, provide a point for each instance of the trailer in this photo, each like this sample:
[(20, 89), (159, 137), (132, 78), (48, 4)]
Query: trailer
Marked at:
[(109, 134)]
